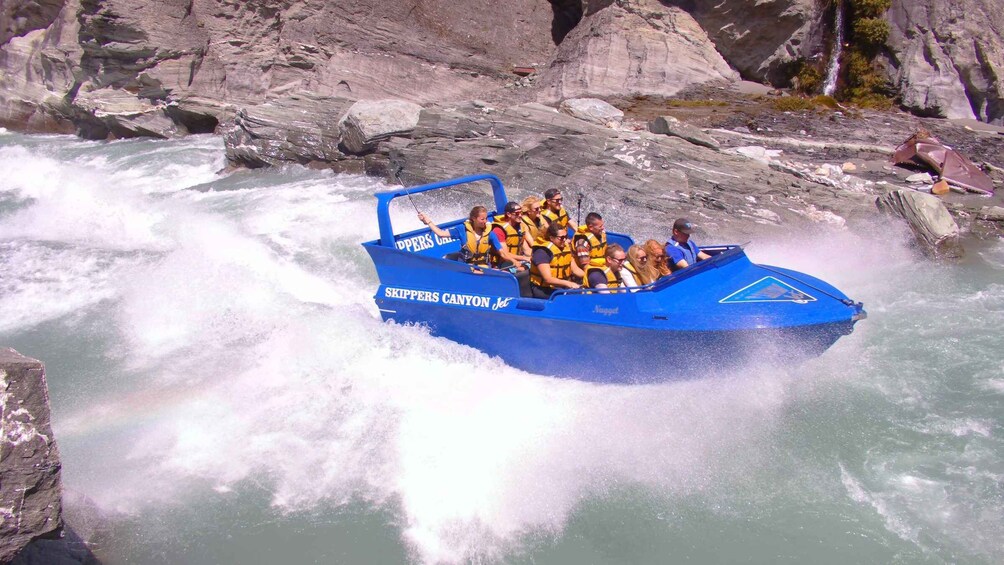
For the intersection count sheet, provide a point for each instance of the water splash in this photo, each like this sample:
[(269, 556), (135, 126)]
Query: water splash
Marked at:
[(833, 67)]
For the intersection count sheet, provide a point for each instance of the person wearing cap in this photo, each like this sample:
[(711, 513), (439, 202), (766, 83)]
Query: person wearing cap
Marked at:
[(506, 239), (680, 249)]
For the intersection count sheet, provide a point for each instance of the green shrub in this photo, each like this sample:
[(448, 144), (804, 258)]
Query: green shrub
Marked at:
[(870, 8), (871, 32), (695, 103), (826, 101), (808, 78), (792, 104)]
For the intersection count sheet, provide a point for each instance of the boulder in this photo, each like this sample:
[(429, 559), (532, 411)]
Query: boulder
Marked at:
[(299, 129), (633, 47), (592, 110), (929, 219), (668, 125), (30, 486), (368, 122)]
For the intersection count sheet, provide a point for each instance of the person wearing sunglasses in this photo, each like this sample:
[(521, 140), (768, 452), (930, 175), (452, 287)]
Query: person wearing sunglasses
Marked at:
[(682, 250), (657, 258), (608, 275), (506, 239), (551, 264), (638, 266), (533, 223), (553, 211)]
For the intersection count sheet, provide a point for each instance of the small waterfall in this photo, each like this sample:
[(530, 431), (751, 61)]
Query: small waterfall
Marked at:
[(833, 67)]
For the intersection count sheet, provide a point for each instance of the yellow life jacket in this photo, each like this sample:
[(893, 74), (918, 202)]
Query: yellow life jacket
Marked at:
[(513, 236), (637, 278), (561, 264), (478, 246), (561, 216), (533, 228), (599, 244), (613, 279)]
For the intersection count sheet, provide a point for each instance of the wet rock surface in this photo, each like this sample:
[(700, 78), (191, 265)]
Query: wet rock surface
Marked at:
[(30, 487), (744, 169)]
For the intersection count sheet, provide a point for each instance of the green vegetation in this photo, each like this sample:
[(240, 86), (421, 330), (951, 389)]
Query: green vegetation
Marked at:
[(808, 78), (871, 33), (694, 103), (870, 8), (865, 84), (804, 103)]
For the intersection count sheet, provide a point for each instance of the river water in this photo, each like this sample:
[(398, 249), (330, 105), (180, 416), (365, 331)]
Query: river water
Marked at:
[(223, 391)]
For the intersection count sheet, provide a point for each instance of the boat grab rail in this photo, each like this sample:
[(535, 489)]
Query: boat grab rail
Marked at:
[(386, 197)]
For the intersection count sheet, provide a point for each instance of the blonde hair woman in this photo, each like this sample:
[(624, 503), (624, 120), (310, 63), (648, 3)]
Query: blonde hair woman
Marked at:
[(639, 265), (533, 223)]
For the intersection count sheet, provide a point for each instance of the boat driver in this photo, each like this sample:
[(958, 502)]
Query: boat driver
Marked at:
[(681, 251), (473, 235), (506, 239), (553, 211), (551, 264)]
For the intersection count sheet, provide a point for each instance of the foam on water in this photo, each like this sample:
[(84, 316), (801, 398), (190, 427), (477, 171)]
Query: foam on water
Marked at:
[(249, 352)]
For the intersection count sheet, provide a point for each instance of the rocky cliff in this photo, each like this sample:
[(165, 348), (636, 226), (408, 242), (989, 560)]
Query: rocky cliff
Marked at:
[(117, 68), (30, 490)]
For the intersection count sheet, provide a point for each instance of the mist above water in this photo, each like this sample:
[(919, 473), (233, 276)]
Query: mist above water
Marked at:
[(218, 372)]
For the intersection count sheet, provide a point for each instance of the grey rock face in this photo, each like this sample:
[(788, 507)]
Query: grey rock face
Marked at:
[(371, 121), (592, 110), (30, 487), (949, 57), (633, 47), (298, 129), (929, 219), (759, 38), (669, 125)]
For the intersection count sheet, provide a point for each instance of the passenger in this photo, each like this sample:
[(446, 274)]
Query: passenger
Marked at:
[(657, 258), (473, 235), (553, 210), (582, 254), (551, 264), (593, 232), (608, 275), (506, 238), (639, 266), (533, 224), (681, 250)]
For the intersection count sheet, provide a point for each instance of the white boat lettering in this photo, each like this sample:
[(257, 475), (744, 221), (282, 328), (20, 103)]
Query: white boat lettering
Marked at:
[(466, 300), (606, 311), (411, 294), (501, 303), (416, 243)]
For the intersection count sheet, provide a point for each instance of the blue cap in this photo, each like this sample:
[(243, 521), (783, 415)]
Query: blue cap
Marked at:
[(684, 226)]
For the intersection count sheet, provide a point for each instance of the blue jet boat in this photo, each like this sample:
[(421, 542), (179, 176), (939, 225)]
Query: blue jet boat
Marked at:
[(721, 313)]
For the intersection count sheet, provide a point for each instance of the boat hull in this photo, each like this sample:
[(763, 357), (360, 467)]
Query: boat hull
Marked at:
[(615, 354)]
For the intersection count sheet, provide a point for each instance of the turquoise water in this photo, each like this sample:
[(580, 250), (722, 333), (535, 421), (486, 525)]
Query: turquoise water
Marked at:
[(224, 392)]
